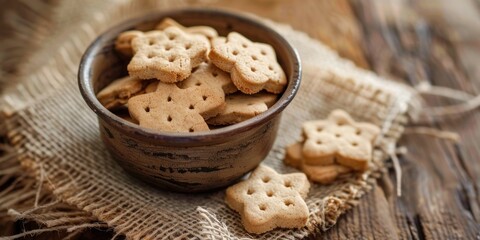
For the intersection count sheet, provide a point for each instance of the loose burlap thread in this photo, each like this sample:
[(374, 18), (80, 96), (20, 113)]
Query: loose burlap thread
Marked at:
[(55, 135)]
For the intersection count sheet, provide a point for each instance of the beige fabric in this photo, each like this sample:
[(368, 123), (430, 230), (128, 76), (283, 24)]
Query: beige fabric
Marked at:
[(56, 134)]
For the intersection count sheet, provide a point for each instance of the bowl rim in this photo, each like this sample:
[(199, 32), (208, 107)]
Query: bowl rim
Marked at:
[(87, 91)]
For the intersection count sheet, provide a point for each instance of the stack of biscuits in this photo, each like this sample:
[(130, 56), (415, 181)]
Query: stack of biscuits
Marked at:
[(188, 79), (333, 147)]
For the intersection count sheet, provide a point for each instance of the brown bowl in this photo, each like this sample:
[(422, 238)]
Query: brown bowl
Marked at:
[(188, 162)]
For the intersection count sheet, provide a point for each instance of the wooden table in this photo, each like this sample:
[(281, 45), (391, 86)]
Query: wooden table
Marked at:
[(412, 41)]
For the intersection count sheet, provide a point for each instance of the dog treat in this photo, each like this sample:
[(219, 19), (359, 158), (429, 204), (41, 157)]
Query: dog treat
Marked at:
[(317, 173), (119, 91), (123, 44), (240, 107), (172, 109), (293, 155), (267, 200), (152, 87), (167, 55), (208, 74), (339, 139), (253, 66), (324, 174), (206, 31)]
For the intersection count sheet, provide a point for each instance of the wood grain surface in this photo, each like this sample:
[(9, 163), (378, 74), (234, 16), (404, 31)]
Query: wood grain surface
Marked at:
[(436, 41), (425, 42)]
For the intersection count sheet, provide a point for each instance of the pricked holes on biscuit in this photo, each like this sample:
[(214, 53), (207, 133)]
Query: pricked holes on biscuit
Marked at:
[(270, 193), (288, 202), (198, 84), (171, 37), (338, 135), (168, 48), (250, 191), (171, 58), (354, 144), (254, 58), (319, 129), (169, 99), (262, 207), (169, 118), (235, 52), (150, 41), (253, 69), (191, 129), (147, 109), (263, 52), (214, 74), (244, 45), (266, 179), (204, 98), (287, 184), (191, 107), (270, 67), (319, 142), (188, 46), (358, 131), (151, 55)]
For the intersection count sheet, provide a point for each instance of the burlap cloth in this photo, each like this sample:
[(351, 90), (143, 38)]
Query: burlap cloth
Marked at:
[(55, 134)]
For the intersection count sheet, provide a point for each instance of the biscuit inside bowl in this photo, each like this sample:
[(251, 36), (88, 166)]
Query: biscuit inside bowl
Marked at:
[(109, 65)]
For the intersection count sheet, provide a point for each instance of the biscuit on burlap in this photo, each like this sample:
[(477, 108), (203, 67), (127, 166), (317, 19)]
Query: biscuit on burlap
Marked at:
[(253, 66), (293, 155), (323, 174), (240, 107), (339, 139), (172, 109), (206, 31), (168, 55), (208, 74), (119, 91), (267, 200)]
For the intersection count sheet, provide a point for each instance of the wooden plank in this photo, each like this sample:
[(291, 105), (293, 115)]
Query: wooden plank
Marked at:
[(440, 187), (371, 219)]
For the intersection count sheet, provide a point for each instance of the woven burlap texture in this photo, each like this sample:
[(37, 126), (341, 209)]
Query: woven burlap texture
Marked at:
[(56, 135)]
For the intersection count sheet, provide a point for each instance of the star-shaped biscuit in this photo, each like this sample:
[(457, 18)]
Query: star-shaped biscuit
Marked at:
[(118, 92), (339, 139), (318, 173), (241, 107), (123, 43), (267, 200), (168, 55), (172, 109), (206, 31), (253, 66), (208, 74)]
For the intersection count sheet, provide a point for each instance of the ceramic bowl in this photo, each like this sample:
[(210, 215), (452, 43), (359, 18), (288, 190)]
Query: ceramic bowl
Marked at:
[(186, 162)]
